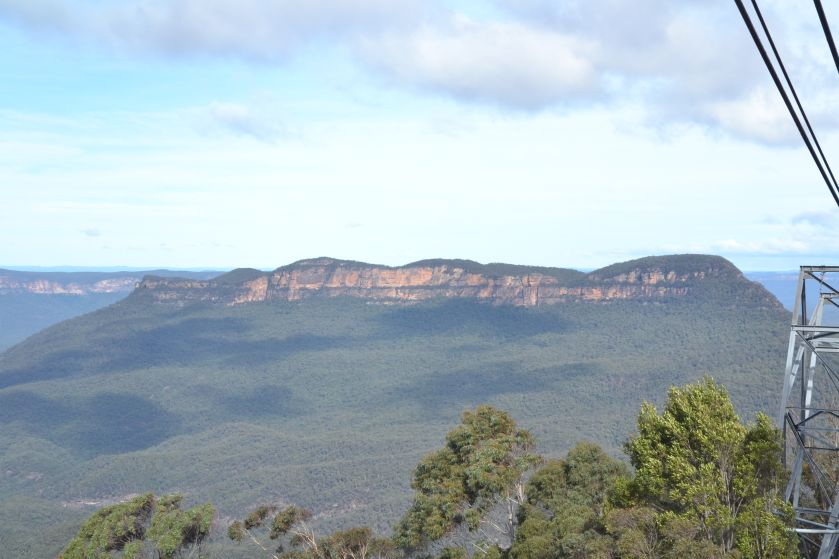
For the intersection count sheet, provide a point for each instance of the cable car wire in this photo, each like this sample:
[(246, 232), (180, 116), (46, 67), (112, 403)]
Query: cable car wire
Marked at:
[(821, 164), (827, 34), (835, 188)]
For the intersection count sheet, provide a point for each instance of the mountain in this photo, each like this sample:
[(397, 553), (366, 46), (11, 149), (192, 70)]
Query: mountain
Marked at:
[(323, 382), (781, 284), (31, 301), (647, 279)]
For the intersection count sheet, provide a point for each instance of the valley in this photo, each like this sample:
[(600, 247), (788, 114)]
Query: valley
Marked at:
[(329, 400)]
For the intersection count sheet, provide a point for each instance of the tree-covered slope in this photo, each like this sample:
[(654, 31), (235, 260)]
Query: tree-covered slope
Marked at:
[(31, 301), (329, 402), (781, 284), (24, 314)]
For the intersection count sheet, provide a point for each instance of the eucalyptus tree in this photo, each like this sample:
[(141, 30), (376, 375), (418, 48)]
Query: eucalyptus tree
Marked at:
[(711, 476), (290, 536), (481, 467), (567, 504), (146, 527)]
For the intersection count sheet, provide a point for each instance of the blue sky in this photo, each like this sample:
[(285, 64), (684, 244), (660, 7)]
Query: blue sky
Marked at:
[(221, 133)]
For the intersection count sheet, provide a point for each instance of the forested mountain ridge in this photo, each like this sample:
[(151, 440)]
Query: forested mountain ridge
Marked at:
[(33, 300), (82, 283), (703, 486), (649, 279), (328, 402)]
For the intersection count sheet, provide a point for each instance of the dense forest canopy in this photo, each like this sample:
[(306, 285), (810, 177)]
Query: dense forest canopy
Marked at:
[(233, 404), (702, 485)]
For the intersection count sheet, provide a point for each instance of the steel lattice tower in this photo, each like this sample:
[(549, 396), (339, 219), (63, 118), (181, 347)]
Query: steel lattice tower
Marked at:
[(809, 415)]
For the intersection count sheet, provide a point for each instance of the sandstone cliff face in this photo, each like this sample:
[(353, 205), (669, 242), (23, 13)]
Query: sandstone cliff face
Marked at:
[(325, 277), (75, 283), (9, 285)]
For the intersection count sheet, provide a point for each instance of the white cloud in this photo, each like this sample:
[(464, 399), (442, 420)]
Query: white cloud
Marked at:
[(760, 116), (817, 219), (683, 62), (687, 62), (767, 246), (266, 30), (245, 121), (539, 178), (504, 63), (805, 234)]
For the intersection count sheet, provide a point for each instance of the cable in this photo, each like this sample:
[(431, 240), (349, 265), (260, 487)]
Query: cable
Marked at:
[(832, 187), (827, 34), (835, 188)]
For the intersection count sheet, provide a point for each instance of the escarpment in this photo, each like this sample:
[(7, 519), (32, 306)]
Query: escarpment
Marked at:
[(647, 279), (14, 282)]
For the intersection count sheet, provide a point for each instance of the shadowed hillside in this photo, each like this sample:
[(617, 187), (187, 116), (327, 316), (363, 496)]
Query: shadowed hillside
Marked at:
[(649, 279), (329, 401), (32, 301)]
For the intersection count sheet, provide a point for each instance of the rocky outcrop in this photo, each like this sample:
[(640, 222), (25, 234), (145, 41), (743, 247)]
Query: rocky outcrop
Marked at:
[(646, 279), (78, 283), (9, 285)]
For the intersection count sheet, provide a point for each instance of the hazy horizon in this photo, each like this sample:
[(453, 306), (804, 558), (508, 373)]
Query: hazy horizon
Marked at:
[(268, 269)]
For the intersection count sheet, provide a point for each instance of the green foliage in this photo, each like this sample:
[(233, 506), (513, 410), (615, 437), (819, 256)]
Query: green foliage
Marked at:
[(762, 529), (705, 487), (290, 528), (173, 529), (236, 532), (286, 519), (144, 522), (484, 459), (453, 553), (290, 521), (635, 531), (680, 264), (258, 516), (111, 529), (710, 474), (495, 270), (139, 397), (564, 515), (357, 543), (24, 314)]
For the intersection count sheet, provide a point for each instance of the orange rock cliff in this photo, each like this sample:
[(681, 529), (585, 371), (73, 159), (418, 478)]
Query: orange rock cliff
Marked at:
[(42, 286), (649, 279)]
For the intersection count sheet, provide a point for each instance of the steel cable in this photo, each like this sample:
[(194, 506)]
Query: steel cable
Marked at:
[(821, 164)]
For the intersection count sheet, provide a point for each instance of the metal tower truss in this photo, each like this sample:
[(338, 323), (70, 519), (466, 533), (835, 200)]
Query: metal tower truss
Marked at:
[(809, 415)]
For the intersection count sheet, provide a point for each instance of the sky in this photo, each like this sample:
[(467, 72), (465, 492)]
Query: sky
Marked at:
[(244, 133)]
